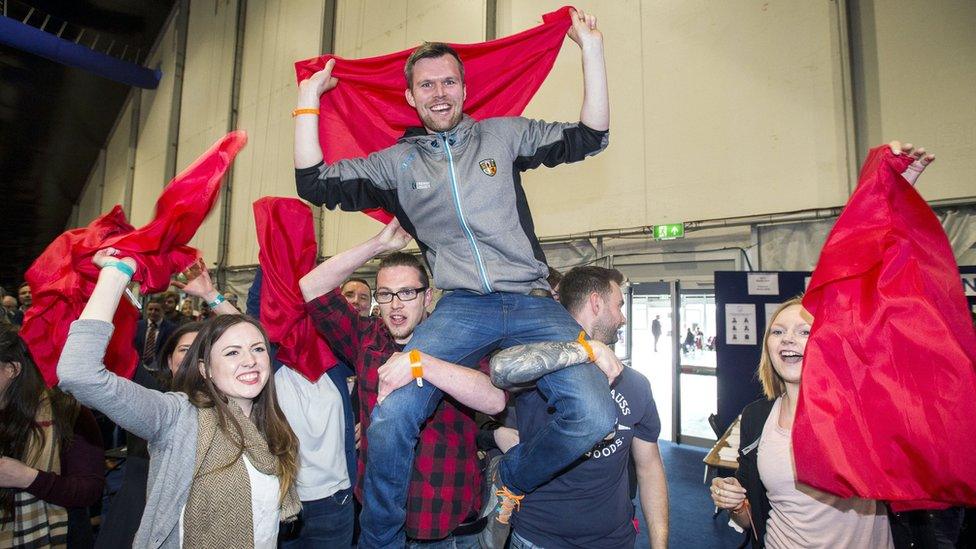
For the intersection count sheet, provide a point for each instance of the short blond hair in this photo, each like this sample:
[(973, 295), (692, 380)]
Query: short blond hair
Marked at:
[(772, 384)]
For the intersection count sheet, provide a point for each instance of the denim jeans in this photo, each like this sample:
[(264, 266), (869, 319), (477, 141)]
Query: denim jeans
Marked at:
[(324, 523), (518, 542), (451, 542), (463, 328)]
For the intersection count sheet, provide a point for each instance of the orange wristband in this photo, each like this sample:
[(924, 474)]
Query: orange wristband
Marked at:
[(297, 112), (586, 345), (416, 368)]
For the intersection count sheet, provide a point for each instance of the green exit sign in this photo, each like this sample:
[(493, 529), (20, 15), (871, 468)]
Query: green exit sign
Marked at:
[(669, 231)]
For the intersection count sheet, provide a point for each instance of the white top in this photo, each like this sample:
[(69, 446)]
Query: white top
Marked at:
[(314, 411), (265, 508), (801, 516)]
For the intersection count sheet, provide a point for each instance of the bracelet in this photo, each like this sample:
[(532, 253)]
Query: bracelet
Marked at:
[(217, 301), (416, 368), (586, 346), (127, 270), (297, 112)]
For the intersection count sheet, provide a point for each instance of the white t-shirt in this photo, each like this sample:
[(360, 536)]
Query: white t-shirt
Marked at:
[(314, 411), (265, 507), (801, 516)]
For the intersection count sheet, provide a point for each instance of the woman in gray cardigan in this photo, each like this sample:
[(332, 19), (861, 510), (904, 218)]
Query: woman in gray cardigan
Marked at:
[(223, 458)]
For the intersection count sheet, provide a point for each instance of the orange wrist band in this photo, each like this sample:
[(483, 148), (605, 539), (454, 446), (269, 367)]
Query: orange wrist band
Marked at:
[(586, 345), (297, 112), (416, 368)]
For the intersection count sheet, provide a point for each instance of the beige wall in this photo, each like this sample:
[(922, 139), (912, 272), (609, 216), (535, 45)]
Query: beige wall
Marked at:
[(206, 96), (90, 202), (152, 151), (920, 80), (719, 109), (117, 161)]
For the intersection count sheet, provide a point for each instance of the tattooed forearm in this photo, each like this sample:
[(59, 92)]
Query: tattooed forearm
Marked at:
[(524, 364)]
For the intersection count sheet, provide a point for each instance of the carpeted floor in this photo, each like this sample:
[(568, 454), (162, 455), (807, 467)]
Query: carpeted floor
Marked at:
[(692, 525)]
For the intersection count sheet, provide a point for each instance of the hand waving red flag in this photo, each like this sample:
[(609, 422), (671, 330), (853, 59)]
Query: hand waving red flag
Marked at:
[(286, 236), (367, 112), (888, 390), (63, 276)]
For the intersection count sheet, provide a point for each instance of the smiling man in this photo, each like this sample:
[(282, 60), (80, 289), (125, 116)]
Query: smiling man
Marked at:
[(454, 184), (444, 485)]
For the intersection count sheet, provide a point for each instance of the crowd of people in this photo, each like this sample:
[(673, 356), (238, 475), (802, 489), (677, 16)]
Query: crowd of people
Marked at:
[(499, 417)]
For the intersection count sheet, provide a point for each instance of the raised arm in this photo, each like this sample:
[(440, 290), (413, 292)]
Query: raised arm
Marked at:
[(921, 159), (467, 385), (331, 273), (595, 112), (143, 412), (199, 284), (308, 151), (521, 365)]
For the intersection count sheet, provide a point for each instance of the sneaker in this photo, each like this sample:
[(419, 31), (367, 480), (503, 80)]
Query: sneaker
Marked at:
[(507, 503)]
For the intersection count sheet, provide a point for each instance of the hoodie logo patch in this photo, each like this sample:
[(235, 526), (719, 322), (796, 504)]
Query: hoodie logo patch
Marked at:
[(488, 166)]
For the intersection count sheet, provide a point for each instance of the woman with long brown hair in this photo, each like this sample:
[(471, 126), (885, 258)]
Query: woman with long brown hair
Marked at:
[(223, 458), (51, 464)]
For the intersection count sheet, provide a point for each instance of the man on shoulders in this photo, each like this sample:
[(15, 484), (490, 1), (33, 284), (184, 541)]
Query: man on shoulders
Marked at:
[(455, 185)]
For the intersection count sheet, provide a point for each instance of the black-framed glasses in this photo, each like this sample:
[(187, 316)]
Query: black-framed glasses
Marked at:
[(406, 294)]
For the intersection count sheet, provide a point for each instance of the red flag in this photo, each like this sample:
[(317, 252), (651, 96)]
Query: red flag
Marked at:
[(367, 111), (63, 276), (888, 390), (286, 236)]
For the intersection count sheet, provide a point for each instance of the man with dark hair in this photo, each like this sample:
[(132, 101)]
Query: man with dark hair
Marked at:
[(561, 513), (356, 291), (24, 296), (455, 186), (444, 484), (171, 307), (656, 330), (152, 331)]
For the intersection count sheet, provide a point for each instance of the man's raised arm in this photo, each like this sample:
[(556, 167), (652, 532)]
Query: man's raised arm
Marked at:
[(308, 150), (331, 273), (518, 366), (595, 113)]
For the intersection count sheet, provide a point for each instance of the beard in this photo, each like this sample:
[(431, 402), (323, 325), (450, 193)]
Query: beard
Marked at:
[(605, 332), (437, 124)]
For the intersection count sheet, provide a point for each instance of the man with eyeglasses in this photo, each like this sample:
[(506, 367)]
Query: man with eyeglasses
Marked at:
[(444, 494)]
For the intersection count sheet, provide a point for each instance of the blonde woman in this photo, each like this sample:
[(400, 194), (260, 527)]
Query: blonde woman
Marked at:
[(764, 495), (223, 458)]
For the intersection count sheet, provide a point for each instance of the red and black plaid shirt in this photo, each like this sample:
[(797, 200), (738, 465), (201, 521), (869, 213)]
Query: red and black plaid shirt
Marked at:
[(445, 484)]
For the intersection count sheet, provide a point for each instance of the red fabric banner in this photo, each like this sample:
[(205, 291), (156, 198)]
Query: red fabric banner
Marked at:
[(367, 111), (63, 276), (286, 236), (888, 390)]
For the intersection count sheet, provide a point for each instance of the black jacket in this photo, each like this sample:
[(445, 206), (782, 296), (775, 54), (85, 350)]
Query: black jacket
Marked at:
[(751, 427)]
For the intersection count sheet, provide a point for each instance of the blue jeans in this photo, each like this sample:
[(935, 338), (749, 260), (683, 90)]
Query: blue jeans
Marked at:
[(450, 542), (464, 328), (518, 542), (324, 523)]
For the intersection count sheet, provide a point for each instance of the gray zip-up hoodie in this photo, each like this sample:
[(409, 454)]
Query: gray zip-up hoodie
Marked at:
[(459, 194)]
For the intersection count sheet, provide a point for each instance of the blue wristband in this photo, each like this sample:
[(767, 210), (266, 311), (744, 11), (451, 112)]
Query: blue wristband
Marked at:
[(217, 301), (129, 271)]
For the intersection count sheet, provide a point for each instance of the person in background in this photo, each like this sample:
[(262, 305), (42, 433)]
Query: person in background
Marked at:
[(51, 457), (356, 291)]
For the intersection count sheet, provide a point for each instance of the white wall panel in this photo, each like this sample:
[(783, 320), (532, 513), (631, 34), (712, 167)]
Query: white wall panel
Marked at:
[(117, 161), (366, 28), (154, 123), (206, 97), (278, 33), (90, 201), (926, 80), (717, 109)]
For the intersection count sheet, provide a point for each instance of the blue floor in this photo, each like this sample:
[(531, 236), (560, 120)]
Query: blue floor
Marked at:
[(692, 525)]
